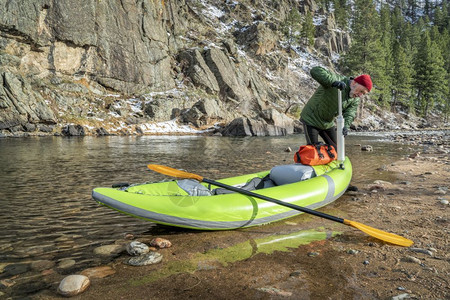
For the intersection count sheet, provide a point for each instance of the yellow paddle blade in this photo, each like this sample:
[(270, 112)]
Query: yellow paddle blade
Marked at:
[(174, 172), (380, 234)]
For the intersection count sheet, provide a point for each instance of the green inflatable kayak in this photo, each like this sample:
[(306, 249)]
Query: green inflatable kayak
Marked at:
[(189, 204)]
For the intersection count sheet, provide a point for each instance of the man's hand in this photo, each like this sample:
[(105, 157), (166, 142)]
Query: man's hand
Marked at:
[(345, 131), (339, 84)]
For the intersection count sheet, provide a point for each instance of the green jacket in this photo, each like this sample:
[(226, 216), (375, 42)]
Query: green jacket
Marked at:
[(322, 108)]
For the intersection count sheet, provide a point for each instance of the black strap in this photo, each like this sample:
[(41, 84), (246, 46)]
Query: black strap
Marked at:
[(329, 148), (318, 150)]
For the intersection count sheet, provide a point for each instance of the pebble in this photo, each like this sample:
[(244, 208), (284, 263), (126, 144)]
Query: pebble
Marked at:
[(366, 148), (401, 296), (145, 259), (382, 182), (440, 192), (351, 251), (16, 269), (129, 236), (108, 250), (366, 262), (73, 285), (296, 273), (98, 272), (444, 202), (66, 263), (405, 182), (137, 248), (411, 259), (275, 291), (420, 250), (160, 243), (7, 283), (40, 265), (313, 254)]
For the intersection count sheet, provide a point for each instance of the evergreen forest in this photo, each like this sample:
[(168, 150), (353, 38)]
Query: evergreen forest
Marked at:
[(403, 44)]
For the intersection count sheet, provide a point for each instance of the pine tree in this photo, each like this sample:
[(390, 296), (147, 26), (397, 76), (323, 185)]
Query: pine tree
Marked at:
[(291, 27), (385, 76), (366, 54), (341, 13), (403, 75), (308, 29), (431, 78), (412, 10), (397, 23)]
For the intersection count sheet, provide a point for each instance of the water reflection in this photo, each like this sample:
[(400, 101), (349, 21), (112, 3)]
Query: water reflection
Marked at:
[(46, 183)]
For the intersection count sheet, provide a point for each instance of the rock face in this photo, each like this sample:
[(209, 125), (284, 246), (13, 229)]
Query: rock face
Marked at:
[(62, 61)]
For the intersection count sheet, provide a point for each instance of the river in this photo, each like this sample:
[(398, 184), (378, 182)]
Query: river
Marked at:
[(47, 212)]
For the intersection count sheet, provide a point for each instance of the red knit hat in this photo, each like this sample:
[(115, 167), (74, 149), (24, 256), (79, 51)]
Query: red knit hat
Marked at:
[(364, 80)]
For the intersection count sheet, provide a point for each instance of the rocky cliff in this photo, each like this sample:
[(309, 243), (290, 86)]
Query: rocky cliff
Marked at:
[(106, 67)]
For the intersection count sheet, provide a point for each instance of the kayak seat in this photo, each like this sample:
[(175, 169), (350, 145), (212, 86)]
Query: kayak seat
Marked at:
[(285, 174)]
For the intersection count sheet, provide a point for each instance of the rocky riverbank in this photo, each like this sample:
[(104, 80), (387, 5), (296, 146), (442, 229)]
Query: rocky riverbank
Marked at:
[(302, 257)]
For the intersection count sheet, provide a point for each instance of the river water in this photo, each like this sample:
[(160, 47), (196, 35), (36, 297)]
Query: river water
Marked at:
[(47, 212)]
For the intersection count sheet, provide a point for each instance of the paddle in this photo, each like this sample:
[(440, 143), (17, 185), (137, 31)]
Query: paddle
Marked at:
[(379, 234)]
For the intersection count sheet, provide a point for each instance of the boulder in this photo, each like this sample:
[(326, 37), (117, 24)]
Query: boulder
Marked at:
[(73, 130), (259, 127)]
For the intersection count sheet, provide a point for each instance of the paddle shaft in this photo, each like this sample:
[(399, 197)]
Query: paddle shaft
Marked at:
[(293, 206)]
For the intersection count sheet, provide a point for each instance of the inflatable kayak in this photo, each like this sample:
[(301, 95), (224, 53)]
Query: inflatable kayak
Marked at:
[(190, 204)]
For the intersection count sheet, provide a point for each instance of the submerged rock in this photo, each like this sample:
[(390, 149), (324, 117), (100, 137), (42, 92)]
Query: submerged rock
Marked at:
[(98, 272), (109, 249)]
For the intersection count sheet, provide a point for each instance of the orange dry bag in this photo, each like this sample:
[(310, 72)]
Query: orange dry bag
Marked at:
[(317, 154)]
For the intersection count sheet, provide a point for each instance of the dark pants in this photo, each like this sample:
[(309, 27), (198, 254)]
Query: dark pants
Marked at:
[(312, 134)]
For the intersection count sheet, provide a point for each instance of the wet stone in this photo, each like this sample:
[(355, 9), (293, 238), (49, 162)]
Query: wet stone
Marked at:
[(15, 269), (137, 248), (66, 263), (73, 285), (109, 250), (98, 272), (145, 259), (30, 287), (6, 283), (41, 265)]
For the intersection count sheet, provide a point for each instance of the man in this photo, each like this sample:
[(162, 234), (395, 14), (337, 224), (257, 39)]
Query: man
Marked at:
[(322, 108)]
